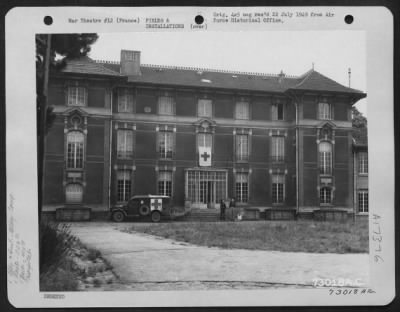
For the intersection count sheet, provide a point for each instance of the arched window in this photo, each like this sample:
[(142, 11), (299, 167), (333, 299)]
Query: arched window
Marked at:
[(325, 195), (73, 193), (75, 143), (325, 158)]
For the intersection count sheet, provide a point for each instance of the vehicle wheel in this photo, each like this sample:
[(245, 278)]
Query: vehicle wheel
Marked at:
[(156, 216), (144, 210), (118, 216)]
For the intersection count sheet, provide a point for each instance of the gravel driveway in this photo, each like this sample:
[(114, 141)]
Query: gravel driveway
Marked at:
[(147, 262)]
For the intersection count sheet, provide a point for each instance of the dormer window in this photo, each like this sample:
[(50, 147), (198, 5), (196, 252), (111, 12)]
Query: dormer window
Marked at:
[(324, 111), (76, 96)]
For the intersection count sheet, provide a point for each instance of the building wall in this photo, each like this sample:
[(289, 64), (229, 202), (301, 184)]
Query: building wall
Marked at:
[(102, 121)]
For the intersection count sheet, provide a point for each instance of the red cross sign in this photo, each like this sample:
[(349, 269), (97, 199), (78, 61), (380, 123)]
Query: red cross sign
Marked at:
[(156, 204)]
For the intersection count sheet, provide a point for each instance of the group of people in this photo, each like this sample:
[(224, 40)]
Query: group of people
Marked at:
[(223, 208)]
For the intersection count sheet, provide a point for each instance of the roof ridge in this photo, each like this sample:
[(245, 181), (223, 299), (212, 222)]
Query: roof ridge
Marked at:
[(202, 69), (306, 75), (216, 70)]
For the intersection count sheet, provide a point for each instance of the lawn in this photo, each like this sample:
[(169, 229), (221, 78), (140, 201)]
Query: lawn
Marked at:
[(298, 236)]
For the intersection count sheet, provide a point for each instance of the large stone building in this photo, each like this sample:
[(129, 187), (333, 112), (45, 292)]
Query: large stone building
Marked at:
[(199, 135)]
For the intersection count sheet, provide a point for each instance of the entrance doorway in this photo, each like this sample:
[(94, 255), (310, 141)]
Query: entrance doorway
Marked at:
[(205, 188)]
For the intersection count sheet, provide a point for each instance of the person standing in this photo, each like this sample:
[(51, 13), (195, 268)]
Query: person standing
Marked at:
[(222, 210)]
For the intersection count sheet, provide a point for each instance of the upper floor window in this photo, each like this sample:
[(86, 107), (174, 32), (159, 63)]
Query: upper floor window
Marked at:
[(363, 163), (325, 158), (165, 183), (325, 195), (242, 147), (242, 187), (125, 101), (166, 105), (324, 111), (242, 110), (125, 143), (204, 108), (278, 188), (124, 185), (75, 145), (363, 201), (277, 111), (277, 148), (204, 140), (76, 96), (165, 144)]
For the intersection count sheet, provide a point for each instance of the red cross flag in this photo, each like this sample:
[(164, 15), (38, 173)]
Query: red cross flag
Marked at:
[(155, 204), (205, 156)]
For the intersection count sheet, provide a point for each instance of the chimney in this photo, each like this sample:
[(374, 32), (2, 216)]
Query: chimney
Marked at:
[(130, 63), (281, 76)]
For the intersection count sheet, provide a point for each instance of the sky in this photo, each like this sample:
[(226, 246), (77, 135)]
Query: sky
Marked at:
[(294, 52)]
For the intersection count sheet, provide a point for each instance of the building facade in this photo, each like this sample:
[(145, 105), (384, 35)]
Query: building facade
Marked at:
[(199, 136)]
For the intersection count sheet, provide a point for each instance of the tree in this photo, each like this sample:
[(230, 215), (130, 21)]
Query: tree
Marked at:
[(51, 53), (358, 120)]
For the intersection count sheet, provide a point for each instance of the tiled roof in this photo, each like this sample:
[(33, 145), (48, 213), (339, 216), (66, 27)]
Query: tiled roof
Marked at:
[(313, 80), (86, 65), (210, 78)]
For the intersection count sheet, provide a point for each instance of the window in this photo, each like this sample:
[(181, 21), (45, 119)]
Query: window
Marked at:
[(166, 105), (242, 147), (242, 187), (165, 183), (277, 148), (363, 201), (75, 143), (242, 110), (277, 111), (204, 108), (278, 188), (363, 163), (325, 158), (165, 144), (125, 101), (324, 111), (204, 140), (76, 96), (125, 144), (124, 185), (73, 193), (325, 195)]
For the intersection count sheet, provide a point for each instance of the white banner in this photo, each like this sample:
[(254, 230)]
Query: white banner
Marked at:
[(205, 156)]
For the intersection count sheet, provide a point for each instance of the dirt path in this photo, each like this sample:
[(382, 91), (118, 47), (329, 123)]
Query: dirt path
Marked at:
[(146, 262)]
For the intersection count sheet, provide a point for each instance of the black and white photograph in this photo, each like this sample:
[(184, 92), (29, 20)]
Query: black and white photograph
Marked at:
[(201, 161)]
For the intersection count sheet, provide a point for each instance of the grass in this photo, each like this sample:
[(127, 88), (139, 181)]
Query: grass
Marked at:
[(297, 236)]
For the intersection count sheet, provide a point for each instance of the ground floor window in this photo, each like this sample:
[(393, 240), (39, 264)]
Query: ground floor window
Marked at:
[(278, 189), (363, 201), (242, 187), (165, 183), (124, 185), (73, 193), (206, 186), (325, 195)]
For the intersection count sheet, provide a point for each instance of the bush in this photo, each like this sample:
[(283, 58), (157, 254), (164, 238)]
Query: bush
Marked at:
[(55, 241)]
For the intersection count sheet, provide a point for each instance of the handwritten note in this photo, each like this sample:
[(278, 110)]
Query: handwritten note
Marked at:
[(19, 256)]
